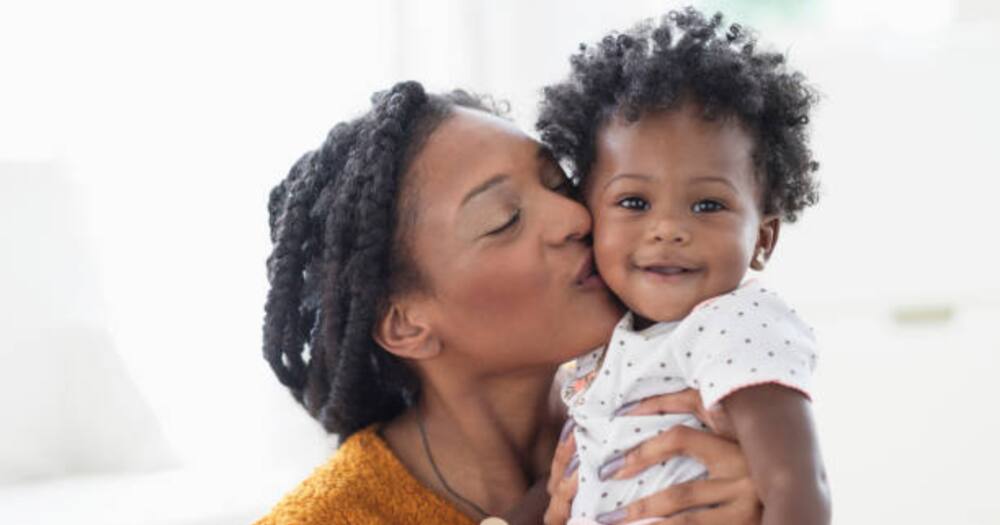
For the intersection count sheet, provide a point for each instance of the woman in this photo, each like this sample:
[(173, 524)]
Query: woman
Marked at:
[(429, 275)]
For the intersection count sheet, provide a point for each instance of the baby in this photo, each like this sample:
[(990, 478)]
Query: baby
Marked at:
[(690, 148)]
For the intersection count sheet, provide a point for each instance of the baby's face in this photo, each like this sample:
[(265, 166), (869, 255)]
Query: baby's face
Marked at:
[(676, 210)]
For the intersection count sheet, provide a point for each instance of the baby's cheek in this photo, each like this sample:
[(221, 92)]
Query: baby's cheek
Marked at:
[(611, 253), (733, 266)]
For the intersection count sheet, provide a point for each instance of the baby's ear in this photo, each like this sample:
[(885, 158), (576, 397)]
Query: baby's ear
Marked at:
[(767, 238)]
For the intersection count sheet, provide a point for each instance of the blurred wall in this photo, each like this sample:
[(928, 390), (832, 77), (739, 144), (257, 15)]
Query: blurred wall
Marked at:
[(169, 122)]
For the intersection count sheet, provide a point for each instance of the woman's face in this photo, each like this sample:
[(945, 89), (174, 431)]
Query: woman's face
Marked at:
[(503, 251)]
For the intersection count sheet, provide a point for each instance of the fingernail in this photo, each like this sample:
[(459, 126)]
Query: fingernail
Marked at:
[(624, 409), (573, 463), (611, 466), (611, 517), (567, 427)]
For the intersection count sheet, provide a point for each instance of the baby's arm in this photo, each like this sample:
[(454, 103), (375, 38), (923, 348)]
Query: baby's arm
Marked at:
[(775, 429)]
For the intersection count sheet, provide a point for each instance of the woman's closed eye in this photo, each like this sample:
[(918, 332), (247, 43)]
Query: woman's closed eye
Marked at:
[(634, 203), (707, 206), (516, 216)]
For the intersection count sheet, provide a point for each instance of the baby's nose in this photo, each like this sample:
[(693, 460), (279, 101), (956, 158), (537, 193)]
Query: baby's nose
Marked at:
[(671, 231)]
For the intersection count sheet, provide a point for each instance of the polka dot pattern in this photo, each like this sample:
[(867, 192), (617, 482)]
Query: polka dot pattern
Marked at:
[(739, 339)]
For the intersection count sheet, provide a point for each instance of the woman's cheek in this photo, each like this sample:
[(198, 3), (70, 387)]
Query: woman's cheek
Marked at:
[(502, 286)]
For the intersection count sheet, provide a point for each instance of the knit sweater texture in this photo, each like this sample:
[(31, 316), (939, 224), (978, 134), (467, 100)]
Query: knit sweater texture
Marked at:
[(363, 483)]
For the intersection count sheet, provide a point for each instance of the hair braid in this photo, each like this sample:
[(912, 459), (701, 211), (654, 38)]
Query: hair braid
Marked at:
[(339, 255)]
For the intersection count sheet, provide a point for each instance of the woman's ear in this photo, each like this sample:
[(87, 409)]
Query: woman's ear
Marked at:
[(405, 332), (767, 238)]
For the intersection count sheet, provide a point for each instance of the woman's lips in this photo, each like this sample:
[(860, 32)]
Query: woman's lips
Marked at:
[(592, 282), (588, 278)]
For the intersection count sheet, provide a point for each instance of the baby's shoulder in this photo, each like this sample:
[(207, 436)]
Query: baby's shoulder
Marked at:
[(754, 305), (750, 299)]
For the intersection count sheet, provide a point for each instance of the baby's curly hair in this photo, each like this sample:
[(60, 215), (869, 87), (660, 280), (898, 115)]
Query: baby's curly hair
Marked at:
[(658, 66), (338, 224)]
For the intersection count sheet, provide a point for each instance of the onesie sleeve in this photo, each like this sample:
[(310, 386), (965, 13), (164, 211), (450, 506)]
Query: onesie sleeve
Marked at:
[(744, 338)]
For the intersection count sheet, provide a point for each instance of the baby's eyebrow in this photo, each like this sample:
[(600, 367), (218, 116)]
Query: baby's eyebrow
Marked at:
[(712, 178), (637, 176)]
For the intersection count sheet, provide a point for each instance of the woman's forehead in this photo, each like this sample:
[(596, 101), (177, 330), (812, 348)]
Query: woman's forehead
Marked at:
[(470, 147), (457, 176)]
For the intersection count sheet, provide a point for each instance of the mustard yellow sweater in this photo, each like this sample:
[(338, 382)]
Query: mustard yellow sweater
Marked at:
[(363, 483)]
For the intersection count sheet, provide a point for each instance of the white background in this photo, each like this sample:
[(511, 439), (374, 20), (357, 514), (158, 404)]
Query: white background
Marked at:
[(138, 141)]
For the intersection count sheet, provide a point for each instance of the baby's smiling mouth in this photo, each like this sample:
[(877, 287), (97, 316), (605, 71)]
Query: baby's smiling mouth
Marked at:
[(669, 270)]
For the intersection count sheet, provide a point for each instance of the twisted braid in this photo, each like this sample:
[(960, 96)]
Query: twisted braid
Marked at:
[(339, 254), (655, 66)]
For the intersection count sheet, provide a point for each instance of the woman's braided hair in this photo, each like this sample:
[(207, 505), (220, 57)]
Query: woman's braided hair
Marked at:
[(657, 66), (337, 222)]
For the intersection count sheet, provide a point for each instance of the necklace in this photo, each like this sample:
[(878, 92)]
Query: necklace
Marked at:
[(427, 449)]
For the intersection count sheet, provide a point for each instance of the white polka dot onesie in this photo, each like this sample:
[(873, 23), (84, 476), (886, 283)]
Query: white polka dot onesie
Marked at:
[(743, 338)]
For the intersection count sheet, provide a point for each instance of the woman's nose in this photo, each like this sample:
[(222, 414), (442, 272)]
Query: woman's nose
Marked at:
[(569, 220)]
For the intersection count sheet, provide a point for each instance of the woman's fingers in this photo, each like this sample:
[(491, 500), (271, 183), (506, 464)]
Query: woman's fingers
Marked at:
[(562, 457), (743, 511), (740, 512), (699, 494), (720, 423), (531, 507), (683, 402), (686, 401), (563, 478), (726, 497), (721, 457), (563, 492)]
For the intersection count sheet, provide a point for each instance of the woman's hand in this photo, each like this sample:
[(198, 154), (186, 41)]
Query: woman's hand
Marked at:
[(687, 401), (726, 497), (531, 507), (563, 478)]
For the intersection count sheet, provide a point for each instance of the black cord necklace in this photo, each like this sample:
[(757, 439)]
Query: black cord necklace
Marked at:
[(427, 449)]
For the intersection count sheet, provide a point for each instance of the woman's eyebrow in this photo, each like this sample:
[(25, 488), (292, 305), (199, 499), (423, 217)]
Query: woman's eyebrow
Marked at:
[(495, 180)]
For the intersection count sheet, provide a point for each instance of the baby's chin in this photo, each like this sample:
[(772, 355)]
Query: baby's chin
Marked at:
[(655, 304), (661, 312)]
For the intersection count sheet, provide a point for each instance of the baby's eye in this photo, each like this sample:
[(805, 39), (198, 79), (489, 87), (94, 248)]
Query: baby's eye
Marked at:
[(634, 203), (707, 206)]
